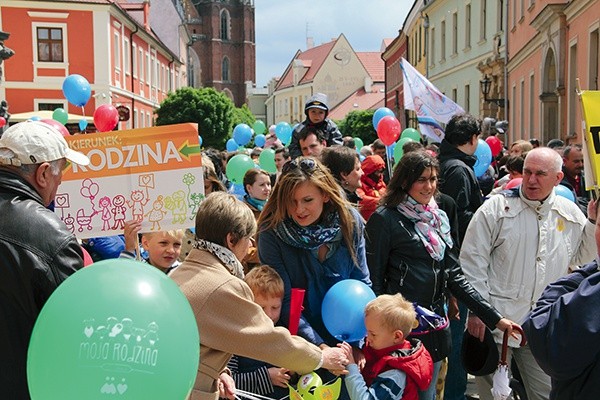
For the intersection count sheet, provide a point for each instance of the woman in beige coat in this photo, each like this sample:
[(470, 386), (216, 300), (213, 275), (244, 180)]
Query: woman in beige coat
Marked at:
[(229, 322)]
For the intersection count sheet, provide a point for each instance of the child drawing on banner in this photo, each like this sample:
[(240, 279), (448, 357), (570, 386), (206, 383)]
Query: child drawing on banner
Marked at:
[(177, 205), (105, 211), (137, 203), (89, 190), (156, 214), (196, 199), (189, 180), (84, 221), (119, 211), (70, 222)]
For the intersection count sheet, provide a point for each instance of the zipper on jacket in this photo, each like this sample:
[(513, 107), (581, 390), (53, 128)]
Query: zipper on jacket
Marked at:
[(404, 274), (435, 280)]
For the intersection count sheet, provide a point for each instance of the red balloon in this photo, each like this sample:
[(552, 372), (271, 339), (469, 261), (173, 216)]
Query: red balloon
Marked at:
[(513, 183), (388, 129), (87, 259), (495, 145), (106, 117), (57, 125), (2, 121)]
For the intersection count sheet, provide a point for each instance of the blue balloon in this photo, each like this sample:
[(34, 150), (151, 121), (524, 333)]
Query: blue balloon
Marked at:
[(390, 150), (237, 189), (200, 140), (231, 145), (343, 309), (82, 124), (242, 134), (380, 113), (77, 90), (283, 130), (260, 140), (483, 153), (562, 190), (35, 118)]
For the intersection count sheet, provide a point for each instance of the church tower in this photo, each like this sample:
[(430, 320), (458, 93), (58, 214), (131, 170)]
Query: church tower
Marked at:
[(222, 51)]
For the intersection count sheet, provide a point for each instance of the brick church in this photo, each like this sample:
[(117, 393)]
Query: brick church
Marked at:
[(223, 51)]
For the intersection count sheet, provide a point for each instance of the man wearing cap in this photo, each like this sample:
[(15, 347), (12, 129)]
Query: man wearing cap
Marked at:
[(316, 111), (37, 251)]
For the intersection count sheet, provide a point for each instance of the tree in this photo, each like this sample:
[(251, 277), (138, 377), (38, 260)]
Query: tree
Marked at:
[(359, 124), (243, 115), (210, 109)]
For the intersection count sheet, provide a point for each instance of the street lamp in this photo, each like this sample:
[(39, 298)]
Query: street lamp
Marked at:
[(486, 84)]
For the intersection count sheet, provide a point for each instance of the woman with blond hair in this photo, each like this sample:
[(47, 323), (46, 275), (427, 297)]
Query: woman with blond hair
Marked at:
[(313, 237)]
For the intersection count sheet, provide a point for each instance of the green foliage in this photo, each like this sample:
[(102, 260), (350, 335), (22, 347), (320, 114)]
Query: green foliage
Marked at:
[(213, 111), (243, 115), (359, 124)]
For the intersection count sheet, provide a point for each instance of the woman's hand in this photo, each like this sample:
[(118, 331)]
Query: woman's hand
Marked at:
[(476, 327), (226, 386)]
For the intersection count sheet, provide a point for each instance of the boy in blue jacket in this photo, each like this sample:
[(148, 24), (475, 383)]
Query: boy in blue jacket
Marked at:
[(316, 110)]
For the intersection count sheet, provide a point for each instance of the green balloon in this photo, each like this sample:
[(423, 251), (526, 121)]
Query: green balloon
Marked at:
[(411, 133), (60, 115), (237, 167), (259, 127), (118, 327), (398, 150), (358, 143), (266, 161)]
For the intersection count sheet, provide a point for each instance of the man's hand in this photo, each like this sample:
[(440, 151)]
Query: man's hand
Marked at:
[(335, 359), (476, 327)]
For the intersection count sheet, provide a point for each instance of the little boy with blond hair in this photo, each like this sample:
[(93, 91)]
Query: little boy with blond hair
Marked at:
[(256, 376), (162, 247), (396, 367)]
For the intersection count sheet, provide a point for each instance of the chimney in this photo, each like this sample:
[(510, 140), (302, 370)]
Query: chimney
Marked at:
[(310, 43), (147, 15), (144, 6)]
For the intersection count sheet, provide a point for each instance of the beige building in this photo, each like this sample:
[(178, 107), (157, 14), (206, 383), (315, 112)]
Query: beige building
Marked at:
[(351, 80)]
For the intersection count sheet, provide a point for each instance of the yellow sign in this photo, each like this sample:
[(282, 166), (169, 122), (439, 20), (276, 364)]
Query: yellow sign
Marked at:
[(590, 101)]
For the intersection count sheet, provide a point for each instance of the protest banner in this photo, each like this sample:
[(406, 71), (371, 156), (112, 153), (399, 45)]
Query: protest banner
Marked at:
[(152, 175)]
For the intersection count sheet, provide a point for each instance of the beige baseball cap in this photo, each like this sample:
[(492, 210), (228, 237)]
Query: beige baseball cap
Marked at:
[(35, 142)]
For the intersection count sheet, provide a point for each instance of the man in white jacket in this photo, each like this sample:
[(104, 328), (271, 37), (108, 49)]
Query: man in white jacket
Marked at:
[(519, 242)]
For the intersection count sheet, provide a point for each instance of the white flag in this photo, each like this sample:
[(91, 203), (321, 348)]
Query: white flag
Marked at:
[(427, 101)]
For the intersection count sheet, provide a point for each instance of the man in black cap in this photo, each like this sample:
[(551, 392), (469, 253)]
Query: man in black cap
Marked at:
[(316, 111)]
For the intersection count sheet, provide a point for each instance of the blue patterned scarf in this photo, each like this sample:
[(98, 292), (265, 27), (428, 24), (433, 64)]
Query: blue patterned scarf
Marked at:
[(431, 225), (312, 236)]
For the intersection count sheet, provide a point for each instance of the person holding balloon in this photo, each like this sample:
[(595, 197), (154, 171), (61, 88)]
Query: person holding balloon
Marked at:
[(37, 251), (397, 366), (313, 237), (372, 186), (316, 110), (409, 251), (229, 321)]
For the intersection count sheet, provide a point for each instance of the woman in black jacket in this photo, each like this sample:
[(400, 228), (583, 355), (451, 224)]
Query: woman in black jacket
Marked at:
[(408, 252)]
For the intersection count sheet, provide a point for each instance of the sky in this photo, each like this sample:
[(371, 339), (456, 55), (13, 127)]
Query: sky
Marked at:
[(282, 27)]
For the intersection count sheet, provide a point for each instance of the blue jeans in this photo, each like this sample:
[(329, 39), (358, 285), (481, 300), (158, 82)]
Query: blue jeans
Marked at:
[(456, 378), (429, 393)]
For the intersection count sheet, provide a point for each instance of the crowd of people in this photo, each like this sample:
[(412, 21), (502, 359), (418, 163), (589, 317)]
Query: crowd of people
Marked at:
[(423, 236)]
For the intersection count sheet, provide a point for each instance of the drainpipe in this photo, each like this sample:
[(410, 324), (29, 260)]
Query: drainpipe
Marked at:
[(506, 110)]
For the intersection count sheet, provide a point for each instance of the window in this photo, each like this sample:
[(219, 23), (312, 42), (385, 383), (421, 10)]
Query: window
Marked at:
[(141, 65), (500, 13), (49, 106), (522, 104), (225, 71), (468, 26), (432, 48), (454, 33), (126, 56), (593, 63), (467, 103), (443, 40), (224, 25), (117, 51), (531, 105), (50, 44), (483, 20), (148, 69), (134, 63)]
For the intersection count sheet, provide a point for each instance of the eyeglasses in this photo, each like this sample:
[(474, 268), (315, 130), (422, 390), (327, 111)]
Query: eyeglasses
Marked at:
[(306, 165)]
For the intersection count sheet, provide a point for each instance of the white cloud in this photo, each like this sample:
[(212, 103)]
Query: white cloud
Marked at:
[(281, 28)]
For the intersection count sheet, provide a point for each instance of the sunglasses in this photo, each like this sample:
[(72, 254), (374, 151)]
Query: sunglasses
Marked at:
[(307, 166)]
